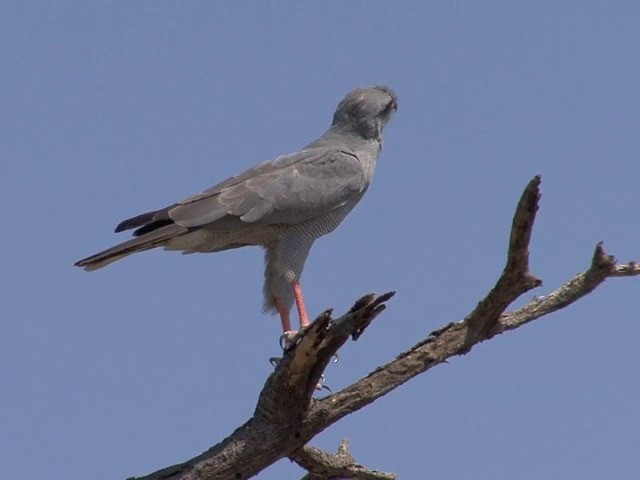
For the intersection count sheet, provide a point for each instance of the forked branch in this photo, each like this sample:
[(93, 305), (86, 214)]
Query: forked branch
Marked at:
[(287, 416)]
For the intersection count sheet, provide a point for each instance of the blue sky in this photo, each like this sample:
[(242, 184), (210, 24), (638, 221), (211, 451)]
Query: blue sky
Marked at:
[(114, 108)]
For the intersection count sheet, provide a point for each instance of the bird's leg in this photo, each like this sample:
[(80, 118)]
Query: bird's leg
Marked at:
[(284, 315), (289, 334), (304, 318), (302, 310)]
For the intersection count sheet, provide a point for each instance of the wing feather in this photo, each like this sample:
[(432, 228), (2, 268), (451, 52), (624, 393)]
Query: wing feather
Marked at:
[(290, 189)]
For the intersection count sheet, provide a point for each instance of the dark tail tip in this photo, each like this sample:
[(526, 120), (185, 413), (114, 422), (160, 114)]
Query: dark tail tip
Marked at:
[(134, 222)]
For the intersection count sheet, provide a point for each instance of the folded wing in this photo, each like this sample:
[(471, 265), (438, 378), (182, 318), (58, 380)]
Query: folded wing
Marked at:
[(289, 189)]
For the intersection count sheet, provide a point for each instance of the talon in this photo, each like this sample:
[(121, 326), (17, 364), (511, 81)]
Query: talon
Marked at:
[(287, 339), (275, 361), (336, 357), (321, 386)]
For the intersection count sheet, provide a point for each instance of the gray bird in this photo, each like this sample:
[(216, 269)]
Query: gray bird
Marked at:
[(282, 205)]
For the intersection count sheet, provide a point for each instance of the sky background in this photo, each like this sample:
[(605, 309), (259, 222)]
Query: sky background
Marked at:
[(110, 109)]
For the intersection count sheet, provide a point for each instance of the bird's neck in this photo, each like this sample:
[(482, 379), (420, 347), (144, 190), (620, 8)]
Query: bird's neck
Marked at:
[(339, 137)]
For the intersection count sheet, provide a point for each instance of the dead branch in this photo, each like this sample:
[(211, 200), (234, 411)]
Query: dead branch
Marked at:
[(322, 465), (287, 416)]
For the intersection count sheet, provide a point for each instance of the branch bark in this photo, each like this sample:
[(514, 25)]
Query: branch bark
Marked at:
[(287, 416), (326, 466)]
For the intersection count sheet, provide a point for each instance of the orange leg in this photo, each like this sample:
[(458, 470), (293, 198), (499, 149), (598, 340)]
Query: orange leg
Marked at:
[(284, 315), (302, 310)]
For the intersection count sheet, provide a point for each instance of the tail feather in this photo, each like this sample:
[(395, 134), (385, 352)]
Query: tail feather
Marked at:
[(136, 221), (147, 241), (149, 221)]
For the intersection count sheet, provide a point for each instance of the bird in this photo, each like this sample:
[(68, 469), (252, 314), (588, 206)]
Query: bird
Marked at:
[(282, 205)]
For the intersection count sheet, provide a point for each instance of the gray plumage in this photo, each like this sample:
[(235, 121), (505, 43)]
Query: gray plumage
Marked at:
[(283, 205)]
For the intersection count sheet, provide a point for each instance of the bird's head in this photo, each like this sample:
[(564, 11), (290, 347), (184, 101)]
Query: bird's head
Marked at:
[(365, 111)]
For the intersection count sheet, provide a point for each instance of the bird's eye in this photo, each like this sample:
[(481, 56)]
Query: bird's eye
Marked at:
[(391, 106)]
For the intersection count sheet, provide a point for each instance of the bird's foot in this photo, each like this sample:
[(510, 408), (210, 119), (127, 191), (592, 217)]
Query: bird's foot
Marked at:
[(288, 338)]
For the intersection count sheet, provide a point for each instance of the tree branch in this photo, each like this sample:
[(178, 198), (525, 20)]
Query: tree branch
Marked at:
[(326, 466), (287, 416), (516, 278), (275, 430), (602, 267)]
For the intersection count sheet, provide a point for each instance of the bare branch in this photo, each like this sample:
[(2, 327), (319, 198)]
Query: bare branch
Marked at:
[(602, 267), (326, 466), (287, 416), (275, 430), (452, 340), (628, 270), (516, 278)]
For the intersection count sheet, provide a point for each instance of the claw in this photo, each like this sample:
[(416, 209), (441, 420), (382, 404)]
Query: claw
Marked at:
[(287, 339), (321, 386), (275, 361)]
